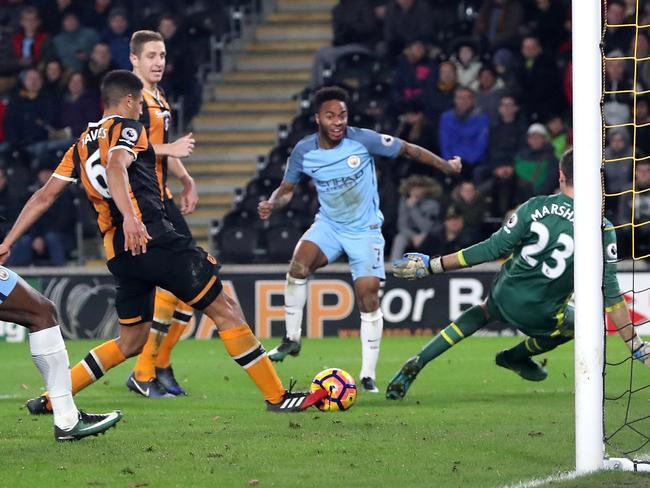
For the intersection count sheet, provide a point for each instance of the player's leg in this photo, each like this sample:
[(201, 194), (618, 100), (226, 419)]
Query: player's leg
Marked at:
[(519, 358), (22, 305), (202, 289), (317, 247), (365, 251), (145, 367), (464, 326), (164, 371)]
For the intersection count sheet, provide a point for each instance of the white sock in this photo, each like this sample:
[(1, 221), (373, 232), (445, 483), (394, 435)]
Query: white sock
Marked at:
[(51, 358), (295, 297), (372, 325)]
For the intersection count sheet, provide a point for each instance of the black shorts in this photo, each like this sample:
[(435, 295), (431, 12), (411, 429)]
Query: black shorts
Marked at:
[(171, 262), (178, 221)]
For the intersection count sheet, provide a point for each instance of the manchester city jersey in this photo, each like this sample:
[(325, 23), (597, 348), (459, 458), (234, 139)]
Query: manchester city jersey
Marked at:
[(344, 176)]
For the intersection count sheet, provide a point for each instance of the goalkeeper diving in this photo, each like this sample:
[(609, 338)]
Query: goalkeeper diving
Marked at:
[(531, 291)]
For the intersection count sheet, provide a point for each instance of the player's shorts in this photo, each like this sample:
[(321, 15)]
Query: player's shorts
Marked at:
[(171, 262), (176, 218), (562, 325), (8, 280), (365, 248)]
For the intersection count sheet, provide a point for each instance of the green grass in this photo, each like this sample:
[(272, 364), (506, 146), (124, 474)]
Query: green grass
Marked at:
[(464, 423)]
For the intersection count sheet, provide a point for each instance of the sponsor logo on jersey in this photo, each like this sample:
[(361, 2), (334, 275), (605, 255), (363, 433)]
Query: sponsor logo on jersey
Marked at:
[(387, 140), (354, 161)]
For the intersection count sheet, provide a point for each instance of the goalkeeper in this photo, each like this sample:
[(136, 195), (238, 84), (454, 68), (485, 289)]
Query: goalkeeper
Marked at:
[(531, 291)]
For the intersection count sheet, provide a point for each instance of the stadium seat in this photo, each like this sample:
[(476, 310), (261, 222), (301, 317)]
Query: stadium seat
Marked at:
[(280, 242), (238, 244)]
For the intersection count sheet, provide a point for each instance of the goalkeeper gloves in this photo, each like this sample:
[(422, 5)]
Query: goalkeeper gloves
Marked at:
[(415, 265), (640, 350)]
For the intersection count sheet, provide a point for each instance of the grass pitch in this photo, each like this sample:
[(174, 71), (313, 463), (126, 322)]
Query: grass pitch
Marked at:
[(464, 423)]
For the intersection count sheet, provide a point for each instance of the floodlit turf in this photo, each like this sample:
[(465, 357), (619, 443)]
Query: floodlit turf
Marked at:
[(464, 423)]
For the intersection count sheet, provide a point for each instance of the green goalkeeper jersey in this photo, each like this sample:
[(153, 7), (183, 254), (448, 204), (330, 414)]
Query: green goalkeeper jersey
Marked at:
[(535, 283)]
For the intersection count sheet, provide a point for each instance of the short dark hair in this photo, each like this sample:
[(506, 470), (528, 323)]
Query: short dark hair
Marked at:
[(117, 84), (330, 93), (140, 38), (566, 165)]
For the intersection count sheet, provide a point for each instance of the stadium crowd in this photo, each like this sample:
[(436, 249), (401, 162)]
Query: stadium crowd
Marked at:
[(488, 80), (53, 55)]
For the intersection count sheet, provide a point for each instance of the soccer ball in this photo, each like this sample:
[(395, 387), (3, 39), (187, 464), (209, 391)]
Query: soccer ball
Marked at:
[(341, 387)]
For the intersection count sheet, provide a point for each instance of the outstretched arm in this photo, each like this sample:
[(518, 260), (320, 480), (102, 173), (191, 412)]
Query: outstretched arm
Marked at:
[(279, 198), (35, 207), (424, 156), (180, 148), (189, 196), (135, 232)]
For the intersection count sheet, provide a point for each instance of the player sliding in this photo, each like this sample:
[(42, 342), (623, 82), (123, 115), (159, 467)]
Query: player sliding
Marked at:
[(340, 161), (117, 167), (531, 290), (21, 304)]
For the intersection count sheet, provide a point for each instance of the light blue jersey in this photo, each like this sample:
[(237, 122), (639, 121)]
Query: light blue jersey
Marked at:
[(344, 176), (349, 220)]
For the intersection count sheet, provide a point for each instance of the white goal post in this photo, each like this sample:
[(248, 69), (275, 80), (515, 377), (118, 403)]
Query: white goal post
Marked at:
[(588, 259)]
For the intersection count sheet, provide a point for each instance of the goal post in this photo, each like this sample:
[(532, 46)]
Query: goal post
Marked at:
[(588, 259)]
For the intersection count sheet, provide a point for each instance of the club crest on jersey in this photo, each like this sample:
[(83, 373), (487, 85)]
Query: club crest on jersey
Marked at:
[(354, 161), (129, 134), (387, 140), (512, 221), (4, 274)]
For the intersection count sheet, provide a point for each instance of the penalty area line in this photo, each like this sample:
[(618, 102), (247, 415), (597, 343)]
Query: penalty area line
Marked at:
[(568, 475)]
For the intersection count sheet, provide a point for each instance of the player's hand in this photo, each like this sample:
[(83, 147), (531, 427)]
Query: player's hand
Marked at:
[(412, 266), (642, 353), (5, 252), (189, 198), (182, 147), (135, 236), (264, 209), (454, 165)]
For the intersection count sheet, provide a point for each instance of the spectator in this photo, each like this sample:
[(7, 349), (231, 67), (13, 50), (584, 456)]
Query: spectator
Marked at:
[(30, 41), (503, 192), (536, 162), (117, 35), (466, 199), (29, 114), (467, 63), (419, 212), (617, 108), (415, 75), (9, 66), (52, 13), (640, 244), (498, 23), (79, 106), (442, 96), (642, 120), (538, 80), (54, 83), (557, 135), (357, 29), (12, 199), (464, 132), (450, 237), (95, 15), (489, 89), (415, 127), (98, 65), (52, 236), (74, 44), (642, 45), (406, 19), (546, 22), (617, 38), (618, 173), (180, 70)]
